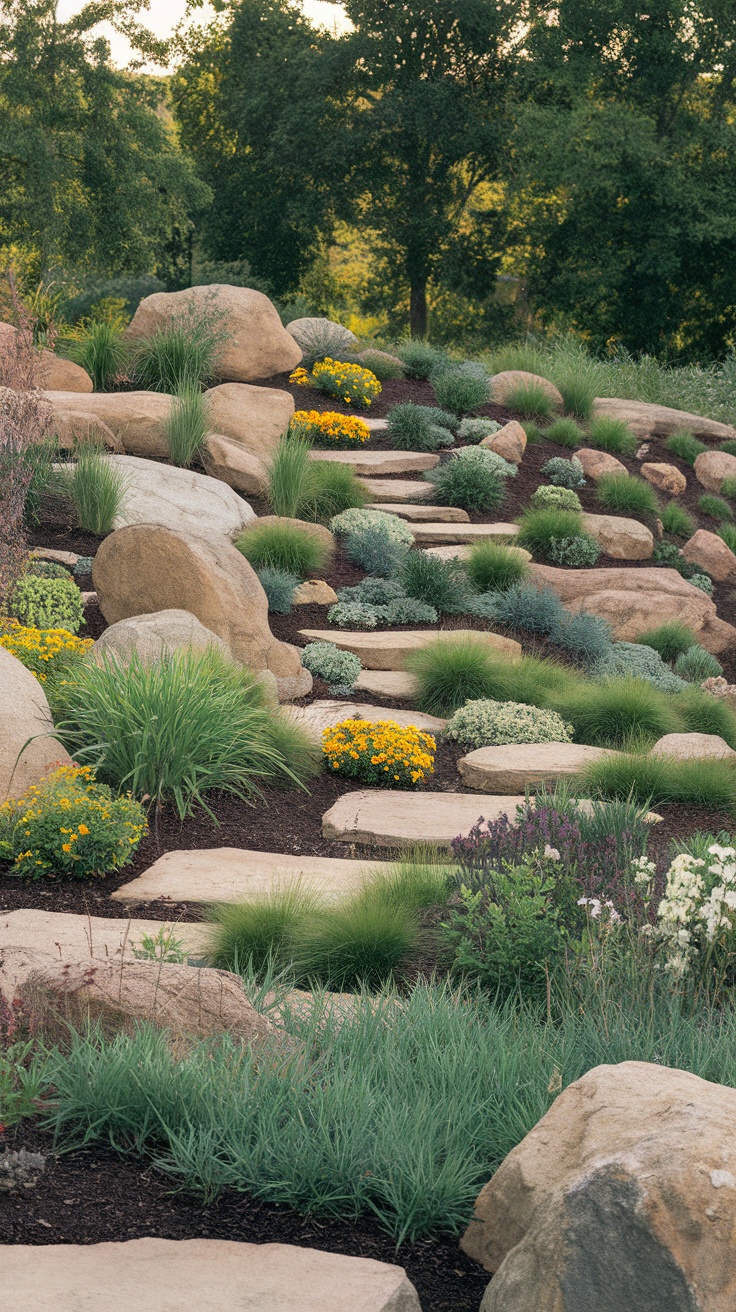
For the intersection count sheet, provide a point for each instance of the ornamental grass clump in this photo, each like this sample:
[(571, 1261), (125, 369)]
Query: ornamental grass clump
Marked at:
[(531, 400), (99, 347), (634, 660), (677, 521), (492, 567), (468, 482), (565, 432), (487, 723), (279, 587), (696, 664), (462, 388), (283, 546), (302, 488), (380, 754), (613, 435), (657, 780), (48, 603), (451, 671), (539, 530), (715, 508), (372, 549), (440, 583), (68, 825), (184, 352), (627, 495), (701, 712), (186, 425), (617, 712), (330, 429), (96, 486), (420, 359), (687, 447), (414, 427), (45, 652), (671, 640), (578, 390)]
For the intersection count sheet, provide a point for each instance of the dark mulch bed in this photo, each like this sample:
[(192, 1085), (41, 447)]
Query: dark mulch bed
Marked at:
[(92, 1196)]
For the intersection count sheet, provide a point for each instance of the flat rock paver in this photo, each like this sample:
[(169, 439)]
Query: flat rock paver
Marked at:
[(518, 766), (233, 874), (399, 685), (380, 462), (387, 649), (398, 489), (320, 715), (382, 817), (211, 1275), (460, 552), (421, 514), (436, 534)]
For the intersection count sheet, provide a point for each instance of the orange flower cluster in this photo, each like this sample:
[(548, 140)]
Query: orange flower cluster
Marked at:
[(381, 753), (330, 429)]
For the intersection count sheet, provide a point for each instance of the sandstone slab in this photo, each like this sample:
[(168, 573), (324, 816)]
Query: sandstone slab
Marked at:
[(693, 747), (256, 344), (516, 766), (27, 749), (233, 874), (711, 467), (381, 462), (146, 568), (424, 514), (74, 426), (151, 636), (68, 558), (321, 715), (49, 370), (596, 464), (710, 552), (623, 1196), (211, 1275), (254, 417), (233, 464), (178, 499), (399, 685), (648, 420), (619, 537), (388, 650), (505, 383), (509, 442), (137, 420), (434, 534), (397, 490), (395, 818), (632, 600), (664, 477)]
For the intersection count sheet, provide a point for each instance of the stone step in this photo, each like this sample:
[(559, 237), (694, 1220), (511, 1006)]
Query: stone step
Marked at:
[(420, 514), (320, 715), (397, 489), (388, 649), (436, 533), (381, 817), (234, 874), (517, 766), (211, 1275), (380, 462), (396, 684), (460, 552)]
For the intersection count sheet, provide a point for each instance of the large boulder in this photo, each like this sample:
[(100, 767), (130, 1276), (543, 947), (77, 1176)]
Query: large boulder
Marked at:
[(632, 600), (147, 567), (622, 1197), (73, 427), (596, 464), (150, 636), (710, 552), (49, 370), (505, 383), (254, 417), (693, 747), (137, 420), (509, 442), (27, 750), (619, 537), (232, 464), (178, 498), (711, 467), (648, 420), (256, 346), (311, 332)]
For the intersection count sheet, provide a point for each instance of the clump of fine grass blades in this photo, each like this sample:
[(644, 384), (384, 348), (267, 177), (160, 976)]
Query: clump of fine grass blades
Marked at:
[(702, 713), (617, 712), (696, 664), (626, 494), (677, 521), (440, 583), (462, 388), (259, 934), (99, 348), (179, 728), (283, 546), (715, 508), (671, 640), (494, 568), (612, 435), (96, 486), (565, 432), (186, 426), (183, 353), (687, 447), (279, 587), (578, 392), (530, 400), (302, 488), (451, 671), (657, 780), (727, 534), (539, 529)]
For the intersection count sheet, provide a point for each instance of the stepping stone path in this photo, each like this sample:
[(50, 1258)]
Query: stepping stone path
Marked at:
[(380, 462), (379, 817), (397, 489), (397, 684), (211, 1275), (387, 649), (321, 715), (520, 765), (436, 533), (234, 874), (418, 514)]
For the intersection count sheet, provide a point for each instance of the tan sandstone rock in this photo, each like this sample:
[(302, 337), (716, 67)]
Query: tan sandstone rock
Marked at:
[(136, 419), (255, 417), (230, 462), (711, 467), (423, 514), (693, 747), (664, 477), (399, 489), (647, 420), (623, 1196), (74, 426), (388, 650), (399, 685), (257, 345), (146, 568), (381, 462), (632, 600), (151, 636), (711, 553), (596, 464), (619, 537), (49, 370), (314, 592), (509, 379), (27, 750), (382, 817), (156, 493), (509, 442), (510, 768), (435, 534)]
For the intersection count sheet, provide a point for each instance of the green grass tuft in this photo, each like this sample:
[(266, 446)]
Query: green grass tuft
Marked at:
[(616, 713), (186, 426), (687, 447), (715, 508), (670, 640), (658, 780), (627, 495), (677, 521), (530, 400), (96, 486), (565, 432), (538, 529), (612, 435), (492, 567), (283, 546)]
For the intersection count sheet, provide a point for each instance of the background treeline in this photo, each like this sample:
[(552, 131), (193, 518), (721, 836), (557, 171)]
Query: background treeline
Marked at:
[(472, 169)]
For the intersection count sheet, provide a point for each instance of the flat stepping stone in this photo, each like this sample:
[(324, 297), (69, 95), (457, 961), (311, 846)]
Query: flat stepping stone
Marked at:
[(382, 817), (418, 514), (234, 874), (211, 1275), (321, 715), (518, 766), (381, 462), (388, 650), (68, 558), (399, 685), (436, 533), (460, 552), (397, 489)]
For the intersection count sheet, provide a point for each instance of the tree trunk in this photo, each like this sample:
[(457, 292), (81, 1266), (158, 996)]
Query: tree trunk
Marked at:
[(418, 308)]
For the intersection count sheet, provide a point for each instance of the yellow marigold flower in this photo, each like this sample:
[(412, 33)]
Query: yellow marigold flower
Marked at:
[(83, 829)]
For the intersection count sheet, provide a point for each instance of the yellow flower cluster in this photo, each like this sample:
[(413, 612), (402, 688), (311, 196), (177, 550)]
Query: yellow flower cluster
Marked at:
[(39, 648), (328, 428), (381, 753), (348, 382), (301, 377)]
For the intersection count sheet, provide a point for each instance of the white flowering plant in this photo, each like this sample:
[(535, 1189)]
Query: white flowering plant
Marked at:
[(487, 723), (696, 919)]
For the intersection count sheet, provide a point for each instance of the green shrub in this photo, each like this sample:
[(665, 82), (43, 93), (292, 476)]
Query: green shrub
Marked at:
[(439, 583), (355, 615), (354, 519), (577, 552), (337, 668), (614, 713), (284, 546), (462, 388), (578, 392), (629, 660), (48, 603), (370, 548), (612, 435), (46, 569), (495, 568), (474, 430), (279, 587), (179, 728), (420, 359), (331, 488), (533, 432), (361, 942), (419, 427), (99, 348), (667, 553), (259, 934), (696, 664), (183, 353), (655, 781), (727, 532), (687, 447), (729, 447), (715, 507), (96, 486), (186, 426), (538, 529), (701, 712), (728, 487), (409, 610), (374, 591), (450, 672), (530, 400), (564, 473), (469, 484), (627, 495), (488, 723), (670, 640), (702, 581), (677, 521), (549, 497), (565, 432)]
